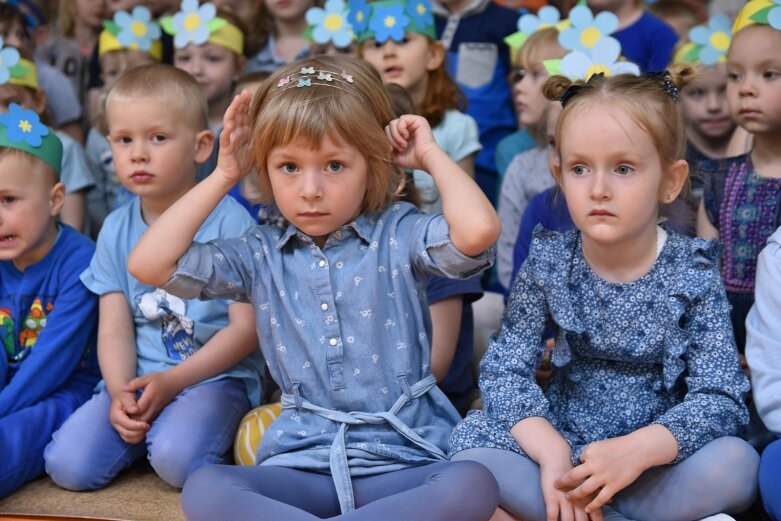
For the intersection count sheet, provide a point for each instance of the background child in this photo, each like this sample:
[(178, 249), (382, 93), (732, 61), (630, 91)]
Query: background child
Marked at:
[(331, 344), (280, 34), (681, 15), (645, 372), (414, 59), (741, 206), (175, 378), (763, 352), (22, 88), (47, 317)]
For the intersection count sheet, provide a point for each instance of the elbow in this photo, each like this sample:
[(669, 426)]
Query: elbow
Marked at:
[(144, 271), (480, 236)]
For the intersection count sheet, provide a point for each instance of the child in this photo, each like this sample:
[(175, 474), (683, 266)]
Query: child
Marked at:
[(21, 87), (741, 206), (645, 372), (176, 380), (47, 317), (414, 59), (339, 301), (763, 352), (280, 34), (681, 15)]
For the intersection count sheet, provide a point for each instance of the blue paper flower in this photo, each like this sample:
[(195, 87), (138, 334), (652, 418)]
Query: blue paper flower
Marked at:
[(421, 13), (358, 15), (587, 29), (190, 23), (23, 125), (137, 28), (388, 21), (774, 15), (602, 58), (547, 16), (330, 24), (8, 58), (713, 39)]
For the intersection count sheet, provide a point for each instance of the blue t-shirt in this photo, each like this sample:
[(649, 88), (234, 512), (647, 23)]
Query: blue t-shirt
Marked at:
[(168, 329), (75, 172), (648, 42), (48, 324)]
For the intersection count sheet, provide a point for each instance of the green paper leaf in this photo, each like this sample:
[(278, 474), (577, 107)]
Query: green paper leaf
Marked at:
[(214, 24), (552, 66), (760, 16), (516, 40), (167, 23)]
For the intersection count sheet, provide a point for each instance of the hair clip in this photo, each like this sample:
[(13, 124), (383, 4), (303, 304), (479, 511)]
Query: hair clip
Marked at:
[(325, 76), (571, 91), (666, 83), (346, 77), (304, 83), (307, 70), (309, 76), (283, 81)]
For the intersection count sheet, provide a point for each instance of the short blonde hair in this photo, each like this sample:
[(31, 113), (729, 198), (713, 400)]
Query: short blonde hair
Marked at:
[(540, 46), (157, 81), (352, 112)]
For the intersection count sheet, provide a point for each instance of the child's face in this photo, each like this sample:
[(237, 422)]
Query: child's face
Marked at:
[(554, 110), (330, 49), (406, 63), (23, 97), (613, 184), (90, 12), (288, 10), (530, 102), (14, 35), (318, 190), (703, 104), (212, 66), (754, 79), (114, 63), (30, 200), (154, 147)]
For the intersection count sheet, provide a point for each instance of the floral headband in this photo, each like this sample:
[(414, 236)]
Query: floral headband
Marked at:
[(16, 70), (133, 30), (329, 24), (759, 12), (22, 129), (200, 24), (309, 76), (528, 24), (707, 44), (390, 19)]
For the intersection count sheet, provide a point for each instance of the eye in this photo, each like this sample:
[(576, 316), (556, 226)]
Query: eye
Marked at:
[(125, 140), (579, 170), (624, 170), (159, 138), (770, 75), (335, 166), (697, 93), (215, 58), (289, 168), (516, 75), (7, 199), (732, 76)]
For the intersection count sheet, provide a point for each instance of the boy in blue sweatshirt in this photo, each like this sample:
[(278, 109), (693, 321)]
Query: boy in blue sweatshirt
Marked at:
[(48, 318)]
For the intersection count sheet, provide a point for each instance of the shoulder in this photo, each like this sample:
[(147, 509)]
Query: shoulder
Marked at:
[(551, 252), (72, 251), (772, 250), (229, 219), (691, 265)]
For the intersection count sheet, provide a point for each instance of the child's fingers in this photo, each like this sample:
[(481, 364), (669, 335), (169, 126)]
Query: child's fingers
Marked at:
[(572, 478), (588, 487), (605, 496), (136, 383)]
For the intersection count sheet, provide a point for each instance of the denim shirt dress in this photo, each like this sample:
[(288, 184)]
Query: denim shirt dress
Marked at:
[(345, 331)]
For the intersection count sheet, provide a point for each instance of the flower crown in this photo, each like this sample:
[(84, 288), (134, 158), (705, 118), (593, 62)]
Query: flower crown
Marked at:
[(133, 30), (707, 44), (309, 76), (759, 12), (16, 70), (22, 129), (528, 24), (200, 24), (329, 24), (390, 19)]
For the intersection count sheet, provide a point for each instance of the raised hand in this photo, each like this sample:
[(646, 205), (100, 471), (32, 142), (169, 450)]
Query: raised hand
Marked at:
[(234, 160), (411, 140)]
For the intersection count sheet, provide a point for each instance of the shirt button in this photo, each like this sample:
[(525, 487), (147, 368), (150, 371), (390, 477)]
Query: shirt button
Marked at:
[(338, 234), (324, 306), (333, 341), (321, 263)]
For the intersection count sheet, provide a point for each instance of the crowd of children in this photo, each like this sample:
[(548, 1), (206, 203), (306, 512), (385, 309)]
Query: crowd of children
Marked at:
[(211, 208)]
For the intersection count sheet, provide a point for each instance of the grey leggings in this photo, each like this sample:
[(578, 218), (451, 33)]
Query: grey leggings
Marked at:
[(439, 491), (720, 477)]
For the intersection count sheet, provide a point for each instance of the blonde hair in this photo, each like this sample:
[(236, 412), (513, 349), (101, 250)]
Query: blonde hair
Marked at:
[(540, 46), (355, 113), (157, 81)]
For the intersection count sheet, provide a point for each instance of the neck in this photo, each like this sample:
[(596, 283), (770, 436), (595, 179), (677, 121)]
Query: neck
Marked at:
[(456, 6), (84, 34), (417, 92), (625, 261), (765, 155), (715, 148), (289, 28), (153, 207)]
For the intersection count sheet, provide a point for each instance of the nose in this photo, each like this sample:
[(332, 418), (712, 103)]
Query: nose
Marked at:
[(389, 48), (311, 185), (714, 102), (139, 153), (746, 87), (600, 186)]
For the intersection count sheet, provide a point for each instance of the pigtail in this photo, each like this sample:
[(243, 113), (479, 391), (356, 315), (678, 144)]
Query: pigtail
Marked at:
[(556, 86)]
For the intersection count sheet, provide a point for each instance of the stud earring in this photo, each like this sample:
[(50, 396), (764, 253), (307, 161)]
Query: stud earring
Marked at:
[(668, 197)]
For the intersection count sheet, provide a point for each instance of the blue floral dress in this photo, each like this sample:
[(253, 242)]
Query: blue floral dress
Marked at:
[(655, 350)]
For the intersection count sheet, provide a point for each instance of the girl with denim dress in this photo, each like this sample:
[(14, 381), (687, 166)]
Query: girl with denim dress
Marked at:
[(339, 301), (646, 393)]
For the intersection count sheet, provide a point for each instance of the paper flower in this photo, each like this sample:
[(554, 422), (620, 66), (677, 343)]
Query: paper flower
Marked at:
[(547, 16), (189, 24), (137, 28), (8, 58), (330, 24), (23, 125), (388, 21), (713, 39), (358, 15), (421, 13), (587, 29), (774, 15), (602, 58)]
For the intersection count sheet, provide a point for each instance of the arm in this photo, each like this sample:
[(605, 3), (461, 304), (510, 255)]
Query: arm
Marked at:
[(446, 325), (471, 232), (225, 349), (705, 228), (74, 210), (155, 257), (468, 165)]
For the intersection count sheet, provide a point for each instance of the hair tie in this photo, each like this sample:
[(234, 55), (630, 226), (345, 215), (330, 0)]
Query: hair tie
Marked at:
[(666, 82), (571, 91)]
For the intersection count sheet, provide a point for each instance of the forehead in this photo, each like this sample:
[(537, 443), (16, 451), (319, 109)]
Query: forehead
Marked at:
[(612, 121), (709, 77), (755, 44), (165, 110), (22, 172)]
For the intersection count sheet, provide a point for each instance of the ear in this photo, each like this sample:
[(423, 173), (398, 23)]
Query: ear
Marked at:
[(204, 143), (39, 101), (436, 55), (673, 181), (56, 199), (555, 167)]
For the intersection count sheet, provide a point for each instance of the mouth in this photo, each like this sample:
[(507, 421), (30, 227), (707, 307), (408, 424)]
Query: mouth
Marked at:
[(8, 239), (749, 112), (600, 213), (141, 177), (393, 71), (312, 215)]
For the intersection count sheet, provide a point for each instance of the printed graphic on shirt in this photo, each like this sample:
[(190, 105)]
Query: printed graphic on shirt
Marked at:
[(7, 332), (33, 323), (177, 331)]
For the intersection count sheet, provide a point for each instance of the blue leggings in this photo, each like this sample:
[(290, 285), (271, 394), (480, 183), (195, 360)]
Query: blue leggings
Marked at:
[(25, 433), (439, 491), (770, 479), (720, 477)]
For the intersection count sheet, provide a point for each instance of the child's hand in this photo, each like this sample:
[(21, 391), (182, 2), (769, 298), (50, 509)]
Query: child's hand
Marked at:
[(234, 160), (411, 140), (131, 430), (557, 504), (158, 390)]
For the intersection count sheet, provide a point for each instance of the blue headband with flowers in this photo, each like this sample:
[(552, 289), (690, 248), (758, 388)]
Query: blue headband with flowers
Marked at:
[(22, 129), (390, 19)]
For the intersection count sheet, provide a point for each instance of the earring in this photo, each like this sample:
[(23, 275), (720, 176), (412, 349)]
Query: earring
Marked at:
[(668, 197)]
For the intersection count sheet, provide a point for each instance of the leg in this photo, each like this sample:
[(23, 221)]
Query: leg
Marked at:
[(720, 477), (518, 478), (24, 434), (87, 453), (196, 428), (770, 479)]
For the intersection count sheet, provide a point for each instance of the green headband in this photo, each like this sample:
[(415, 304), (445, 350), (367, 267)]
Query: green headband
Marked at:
[(22, 129), (390, 19)]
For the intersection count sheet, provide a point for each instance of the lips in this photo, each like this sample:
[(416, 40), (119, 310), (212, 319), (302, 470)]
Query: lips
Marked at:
[(393, 71), (601, 213), (141, 177), (749, 112), (7, 240), (312, 215)]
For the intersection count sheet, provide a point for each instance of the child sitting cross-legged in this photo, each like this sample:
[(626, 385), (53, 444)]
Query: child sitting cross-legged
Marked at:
[(177, 374)]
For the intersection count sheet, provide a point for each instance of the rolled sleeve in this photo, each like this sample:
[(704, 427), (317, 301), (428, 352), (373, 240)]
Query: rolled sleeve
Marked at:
[(440, 256)]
